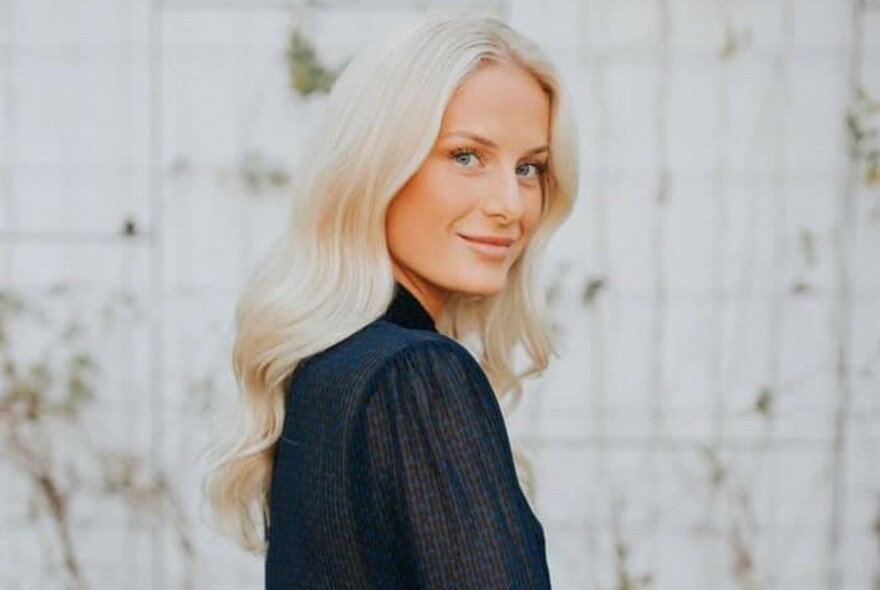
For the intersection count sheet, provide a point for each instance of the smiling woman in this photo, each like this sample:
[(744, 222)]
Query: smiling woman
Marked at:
[(465, 216), (371, 451)]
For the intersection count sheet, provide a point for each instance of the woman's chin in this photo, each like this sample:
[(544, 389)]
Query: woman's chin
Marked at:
[(482, 286)]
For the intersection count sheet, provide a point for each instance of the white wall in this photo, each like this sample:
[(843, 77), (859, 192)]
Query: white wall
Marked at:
[(732, 226)]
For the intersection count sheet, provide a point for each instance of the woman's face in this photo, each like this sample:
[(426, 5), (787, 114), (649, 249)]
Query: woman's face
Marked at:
[(465, 216)]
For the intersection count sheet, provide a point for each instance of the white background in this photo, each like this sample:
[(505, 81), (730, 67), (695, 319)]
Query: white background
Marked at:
[(725, 218)]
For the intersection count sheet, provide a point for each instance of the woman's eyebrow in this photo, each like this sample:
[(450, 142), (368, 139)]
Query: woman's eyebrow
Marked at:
[(488, 142)]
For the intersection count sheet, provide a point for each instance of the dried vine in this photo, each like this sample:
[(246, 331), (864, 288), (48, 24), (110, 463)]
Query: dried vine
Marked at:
[(43, 402)]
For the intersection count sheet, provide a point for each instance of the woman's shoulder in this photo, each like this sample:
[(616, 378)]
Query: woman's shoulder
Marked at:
[(381, 346)]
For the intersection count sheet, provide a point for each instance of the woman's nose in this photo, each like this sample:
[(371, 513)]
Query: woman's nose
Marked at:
[(505, 197)]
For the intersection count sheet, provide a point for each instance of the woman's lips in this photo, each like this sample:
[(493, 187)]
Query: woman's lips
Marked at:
[(491, 246)]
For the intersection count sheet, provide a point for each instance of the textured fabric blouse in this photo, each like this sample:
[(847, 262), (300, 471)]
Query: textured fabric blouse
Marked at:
[(394, 470)]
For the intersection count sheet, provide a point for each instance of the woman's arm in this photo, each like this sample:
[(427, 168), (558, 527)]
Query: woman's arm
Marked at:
[(441, 460)]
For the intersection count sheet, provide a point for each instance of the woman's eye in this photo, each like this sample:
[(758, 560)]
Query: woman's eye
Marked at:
[(464, 157), (537, 168)]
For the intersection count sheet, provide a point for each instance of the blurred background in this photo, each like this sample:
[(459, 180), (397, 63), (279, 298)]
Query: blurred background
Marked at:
[(713, 421)]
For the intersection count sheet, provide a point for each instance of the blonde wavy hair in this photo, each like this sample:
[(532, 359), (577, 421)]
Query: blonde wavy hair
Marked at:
[(330, 273)]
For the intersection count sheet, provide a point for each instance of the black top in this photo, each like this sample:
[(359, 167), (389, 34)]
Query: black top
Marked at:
[(394, 470)]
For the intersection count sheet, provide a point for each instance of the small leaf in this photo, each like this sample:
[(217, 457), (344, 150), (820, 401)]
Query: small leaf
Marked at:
[(129, 228), (801, 288), (872, 174), (764, 402), (307, 74), (591, 292)]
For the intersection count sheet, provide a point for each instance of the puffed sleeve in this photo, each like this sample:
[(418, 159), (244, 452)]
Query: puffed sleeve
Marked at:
[(440, 456)]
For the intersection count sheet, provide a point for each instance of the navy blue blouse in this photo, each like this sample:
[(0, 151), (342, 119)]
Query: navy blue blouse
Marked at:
[(394, 470)]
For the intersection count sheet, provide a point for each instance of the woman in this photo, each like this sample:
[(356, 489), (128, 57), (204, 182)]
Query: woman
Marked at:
[(372, 451)]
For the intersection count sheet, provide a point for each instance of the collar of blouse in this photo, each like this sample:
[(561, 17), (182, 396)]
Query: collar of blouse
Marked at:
[(406, 311)]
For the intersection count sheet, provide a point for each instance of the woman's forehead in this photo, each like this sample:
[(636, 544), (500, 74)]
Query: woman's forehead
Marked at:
[(501, 103)]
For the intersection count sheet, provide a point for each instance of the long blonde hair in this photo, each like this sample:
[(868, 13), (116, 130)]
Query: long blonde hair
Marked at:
[(329, 274)]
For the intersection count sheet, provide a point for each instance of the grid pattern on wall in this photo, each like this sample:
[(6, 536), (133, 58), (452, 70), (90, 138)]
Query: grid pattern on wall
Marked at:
[(713, 420)]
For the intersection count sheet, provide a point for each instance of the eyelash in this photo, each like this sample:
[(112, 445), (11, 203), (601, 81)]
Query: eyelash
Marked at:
[(540, 167), (457, 153)]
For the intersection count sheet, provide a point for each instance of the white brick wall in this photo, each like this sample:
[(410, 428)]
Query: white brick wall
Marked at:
[(760, 270)]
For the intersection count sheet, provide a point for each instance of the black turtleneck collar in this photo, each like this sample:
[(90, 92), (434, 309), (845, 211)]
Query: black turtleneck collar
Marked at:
[(406, 311)]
